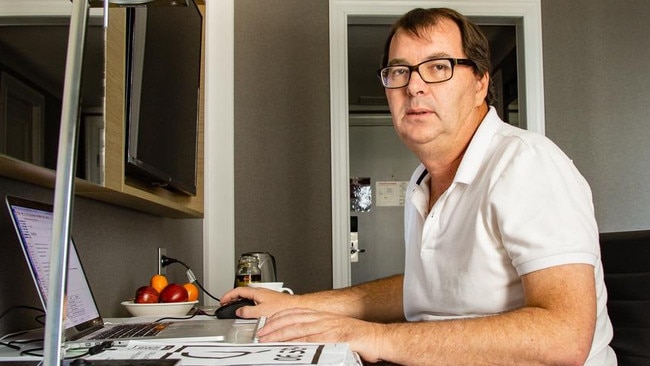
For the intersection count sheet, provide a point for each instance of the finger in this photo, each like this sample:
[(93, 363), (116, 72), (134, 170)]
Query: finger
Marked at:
[(300, 330), (268, 303), (236, 294), (289, 324)]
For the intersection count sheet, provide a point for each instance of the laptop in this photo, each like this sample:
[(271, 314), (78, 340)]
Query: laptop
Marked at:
[(83, 323)]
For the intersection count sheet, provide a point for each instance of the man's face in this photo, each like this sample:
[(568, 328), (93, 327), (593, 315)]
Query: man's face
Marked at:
[(442, 114)]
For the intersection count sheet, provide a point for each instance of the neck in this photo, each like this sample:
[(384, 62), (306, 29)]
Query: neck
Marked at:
[(443, 163)]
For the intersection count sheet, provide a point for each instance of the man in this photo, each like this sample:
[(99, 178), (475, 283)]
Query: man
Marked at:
[(502, 255)]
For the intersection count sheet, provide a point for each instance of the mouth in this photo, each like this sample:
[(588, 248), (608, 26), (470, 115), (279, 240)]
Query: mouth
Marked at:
[(417, 112)]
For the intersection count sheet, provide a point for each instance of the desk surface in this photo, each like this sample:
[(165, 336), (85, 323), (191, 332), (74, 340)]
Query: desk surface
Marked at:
[(241, 332), (217, 354)]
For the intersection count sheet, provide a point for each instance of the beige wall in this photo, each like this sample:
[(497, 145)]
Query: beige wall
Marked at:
[(282, 137)]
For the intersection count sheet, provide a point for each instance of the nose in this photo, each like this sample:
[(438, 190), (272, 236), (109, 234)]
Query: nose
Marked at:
[(416, 85)]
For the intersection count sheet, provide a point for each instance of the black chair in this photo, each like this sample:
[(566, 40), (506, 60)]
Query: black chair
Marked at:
[(626, 264)]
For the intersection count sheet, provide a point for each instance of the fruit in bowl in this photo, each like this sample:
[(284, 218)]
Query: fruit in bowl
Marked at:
[(146, 295), (173, 293), (161, 298), (160, 290), (159, 282)]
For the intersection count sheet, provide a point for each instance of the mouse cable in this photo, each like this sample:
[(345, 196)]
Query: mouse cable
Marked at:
[(195, 313), (165, 261)]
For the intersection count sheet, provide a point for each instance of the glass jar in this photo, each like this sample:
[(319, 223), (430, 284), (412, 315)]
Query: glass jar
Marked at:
[(248, 270)]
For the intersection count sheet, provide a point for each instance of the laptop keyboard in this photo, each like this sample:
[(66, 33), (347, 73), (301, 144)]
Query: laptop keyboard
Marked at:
[(132, 330)]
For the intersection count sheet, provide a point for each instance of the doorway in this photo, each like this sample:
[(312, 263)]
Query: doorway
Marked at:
[(524, 15), (377, 154)]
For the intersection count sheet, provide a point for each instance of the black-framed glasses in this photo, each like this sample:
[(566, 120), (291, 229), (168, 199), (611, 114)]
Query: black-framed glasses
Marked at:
[(431, 71)]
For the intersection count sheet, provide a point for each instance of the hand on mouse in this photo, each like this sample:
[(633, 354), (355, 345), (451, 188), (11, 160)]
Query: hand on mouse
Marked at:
[(229, 310), (268, 302)]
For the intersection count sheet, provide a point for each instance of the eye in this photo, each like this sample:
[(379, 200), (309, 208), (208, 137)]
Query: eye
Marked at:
[(437, 66), (396, 72)]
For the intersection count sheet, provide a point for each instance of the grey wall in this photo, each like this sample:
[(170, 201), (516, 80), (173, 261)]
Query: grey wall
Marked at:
[(117, 246), (282, 137), (596, 77), (595, 73)]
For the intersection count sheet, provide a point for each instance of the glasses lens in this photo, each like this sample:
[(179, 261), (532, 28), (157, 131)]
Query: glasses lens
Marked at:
[(432, 71), (395, 76), (435, 71)]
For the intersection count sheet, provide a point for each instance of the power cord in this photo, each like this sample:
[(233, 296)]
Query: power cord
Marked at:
[(38, 352), (165, 261), (10, 340), (38, 318), (13, 343), (96, 349), (10, 345)]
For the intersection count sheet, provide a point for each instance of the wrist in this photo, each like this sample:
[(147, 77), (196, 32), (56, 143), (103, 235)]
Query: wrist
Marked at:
[(380, 345)]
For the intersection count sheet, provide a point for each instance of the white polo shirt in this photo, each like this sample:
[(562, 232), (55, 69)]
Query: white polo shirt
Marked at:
[(517, 204)]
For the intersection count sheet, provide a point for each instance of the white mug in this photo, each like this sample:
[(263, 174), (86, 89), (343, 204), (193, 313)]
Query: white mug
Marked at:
[(275, 286)]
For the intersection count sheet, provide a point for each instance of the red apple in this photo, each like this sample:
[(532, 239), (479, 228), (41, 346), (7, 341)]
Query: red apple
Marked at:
[(145, 295), (173, 293)]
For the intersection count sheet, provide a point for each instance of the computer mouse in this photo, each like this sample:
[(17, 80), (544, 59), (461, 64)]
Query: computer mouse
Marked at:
[(228, 311)]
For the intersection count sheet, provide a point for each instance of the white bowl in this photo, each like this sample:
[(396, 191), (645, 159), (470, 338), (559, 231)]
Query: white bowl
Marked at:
[(160, 308)]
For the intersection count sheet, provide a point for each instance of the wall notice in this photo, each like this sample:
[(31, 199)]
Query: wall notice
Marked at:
[(391, 193)]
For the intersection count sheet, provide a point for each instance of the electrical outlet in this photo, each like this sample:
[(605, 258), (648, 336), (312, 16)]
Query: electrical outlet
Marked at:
[(161, 252)]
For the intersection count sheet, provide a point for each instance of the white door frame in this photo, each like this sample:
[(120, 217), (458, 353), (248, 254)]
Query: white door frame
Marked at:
[(527, 14), (219, 166)]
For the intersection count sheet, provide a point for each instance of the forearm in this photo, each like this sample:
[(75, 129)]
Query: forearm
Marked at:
[(379, 300), (556, 327), (528, 336)]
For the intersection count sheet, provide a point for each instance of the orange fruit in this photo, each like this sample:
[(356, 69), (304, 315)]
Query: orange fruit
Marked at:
[(192, 291), (159, 282)]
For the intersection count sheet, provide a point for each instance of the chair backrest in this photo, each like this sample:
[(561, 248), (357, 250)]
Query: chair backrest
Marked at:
[(626, 263)]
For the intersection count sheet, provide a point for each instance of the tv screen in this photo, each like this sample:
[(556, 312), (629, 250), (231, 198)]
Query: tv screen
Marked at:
[(163, 80)]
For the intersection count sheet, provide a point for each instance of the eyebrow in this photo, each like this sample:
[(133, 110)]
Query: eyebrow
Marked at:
[(401, 61)]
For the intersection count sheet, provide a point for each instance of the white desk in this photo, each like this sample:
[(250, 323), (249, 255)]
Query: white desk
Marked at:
[(241, 332)]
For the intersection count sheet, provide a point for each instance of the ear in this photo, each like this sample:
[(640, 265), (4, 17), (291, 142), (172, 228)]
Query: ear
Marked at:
[(482, 87)]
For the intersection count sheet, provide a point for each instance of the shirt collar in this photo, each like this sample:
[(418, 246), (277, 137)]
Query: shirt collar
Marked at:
[(477, 148)]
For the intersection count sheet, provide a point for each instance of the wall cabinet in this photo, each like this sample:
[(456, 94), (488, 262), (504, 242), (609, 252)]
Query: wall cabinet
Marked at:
[(116, 187)]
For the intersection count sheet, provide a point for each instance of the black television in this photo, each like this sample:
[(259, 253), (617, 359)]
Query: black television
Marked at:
[(162, 95)]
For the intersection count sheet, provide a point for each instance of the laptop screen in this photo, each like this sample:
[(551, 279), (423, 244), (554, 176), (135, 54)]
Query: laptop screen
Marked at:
[(33, 223)]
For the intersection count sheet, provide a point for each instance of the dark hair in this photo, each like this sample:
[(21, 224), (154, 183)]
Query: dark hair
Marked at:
[(475, 44)]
